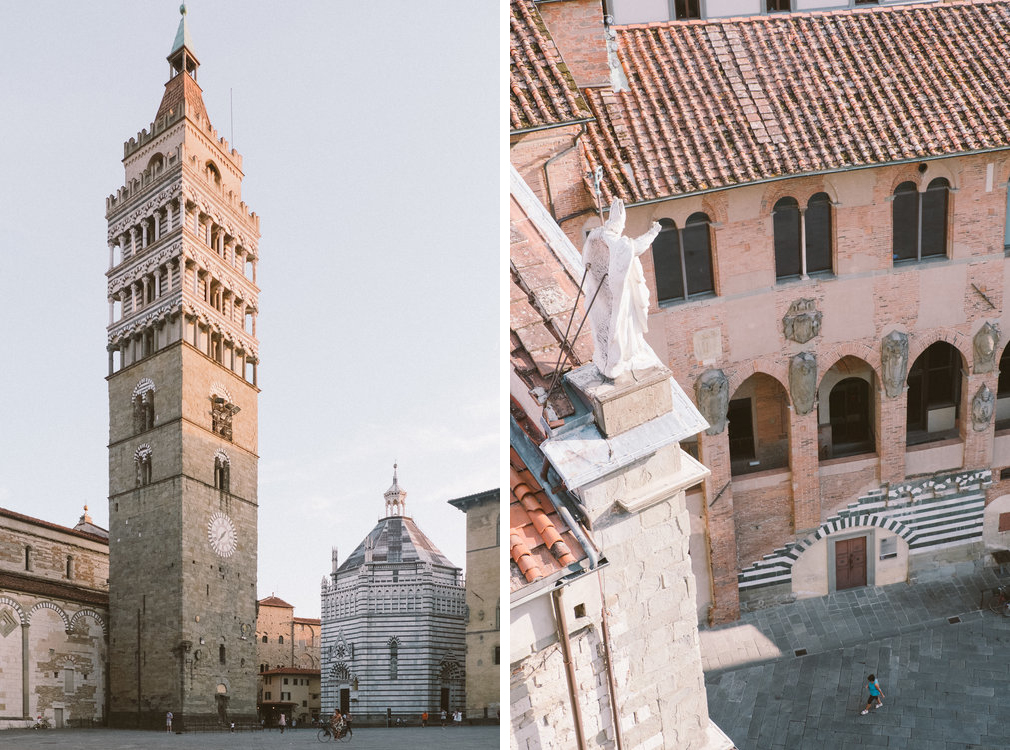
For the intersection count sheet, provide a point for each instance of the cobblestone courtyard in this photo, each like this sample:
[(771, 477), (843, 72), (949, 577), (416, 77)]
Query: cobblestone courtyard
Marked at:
[(946, 683)]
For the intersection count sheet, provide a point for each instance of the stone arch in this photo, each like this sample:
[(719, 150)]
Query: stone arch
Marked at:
[(449, 669), (54, 607), (905, 173), (80, 615), (216, 389), (835, 354), (940, 168), (143, 386), (773, 368), (22, 615), (918, 343), (340, 673), (828, 528)]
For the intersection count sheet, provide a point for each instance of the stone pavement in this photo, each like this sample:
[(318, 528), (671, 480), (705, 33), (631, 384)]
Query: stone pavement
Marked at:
[(432, 738), (945, 682)]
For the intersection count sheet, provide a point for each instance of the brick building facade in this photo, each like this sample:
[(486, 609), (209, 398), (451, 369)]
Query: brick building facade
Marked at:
[(287, 647), (830, 278)]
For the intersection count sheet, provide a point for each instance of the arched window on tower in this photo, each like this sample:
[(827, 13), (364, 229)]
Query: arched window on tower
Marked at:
[(222, 471), (143, 406), (213, 173), (142, 460), (221, 654)]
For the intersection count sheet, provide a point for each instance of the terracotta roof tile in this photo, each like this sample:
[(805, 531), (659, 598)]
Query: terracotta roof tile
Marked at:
[(274, 601), (542, 294), (542, 92), (731, 101), (540, 542)]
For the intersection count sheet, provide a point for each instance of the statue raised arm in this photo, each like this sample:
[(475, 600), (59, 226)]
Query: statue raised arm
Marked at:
[(620, 314)]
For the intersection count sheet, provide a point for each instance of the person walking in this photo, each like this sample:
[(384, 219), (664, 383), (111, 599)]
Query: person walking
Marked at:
[(168, 722), (442, 717), (875, 694), (424, 718), (282, 721)]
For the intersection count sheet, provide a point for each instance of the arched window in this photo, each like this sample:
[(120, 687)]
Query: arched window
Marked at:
[(155, 163), (683, 259), (143, 406), (213, 173), (817, 232), (221, 654), (264, 639), (280, 639), (1003, 392), (142, 460), (919, 221), (850, 406), (757, 411), (394, 647), (222, 471), (786, 228), (934, 394)]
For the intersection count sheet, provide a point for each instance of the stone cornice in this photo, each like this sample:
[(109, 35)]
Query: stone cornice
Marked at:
[(141, 265), (144, 318), (122, 225)]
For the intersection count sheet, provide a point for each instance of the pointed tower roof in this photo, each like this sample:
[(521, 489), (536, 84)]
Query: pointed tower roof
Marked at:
[(182, 35), (182, 91), (395, 498), (395, 538)]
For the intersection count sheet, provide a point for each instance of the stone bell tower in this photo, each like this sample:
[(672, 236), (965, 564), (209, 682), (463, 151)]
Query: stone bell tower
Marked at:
[(182, 420)]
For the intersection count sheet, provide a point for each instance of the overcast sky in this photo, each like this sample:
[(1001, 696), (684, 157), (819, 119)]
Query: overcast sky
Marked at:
[(370, 138)]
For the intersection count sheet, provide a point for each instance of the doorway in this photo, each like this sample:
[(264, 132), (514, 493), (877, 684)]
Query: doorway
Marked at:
[(850, 563), (345, 700)]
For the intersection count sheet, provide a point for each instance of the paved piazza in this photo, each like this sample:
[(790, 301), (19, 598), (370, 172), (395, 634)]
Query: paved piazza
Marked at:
[(946, 684), (432, 738)]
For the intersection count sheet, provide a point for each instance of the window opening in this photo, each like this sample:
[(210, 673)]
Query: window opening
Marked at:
[(686, 9), (850, 407), (683, 259), (919, 221), (741, 429), (934, 394)]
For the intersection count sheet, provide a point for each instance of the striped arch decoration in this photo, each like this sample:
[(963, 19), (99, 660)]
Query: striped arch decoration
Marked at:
[(8, 602), (449, 669), (216, 389), (942, 511), (340, 673), (143, 386), (143, 453), (55, 608), (93, 615), (220, 457)]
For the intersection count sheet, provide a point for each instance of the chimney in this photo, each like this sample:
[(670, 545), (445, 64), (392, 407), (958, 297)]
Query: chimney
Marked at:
[(578, 30)]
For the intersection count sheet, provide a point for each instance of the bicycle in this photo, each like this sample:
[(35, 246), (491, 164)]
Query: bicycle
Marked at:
[(327, 733), (1000, 603)]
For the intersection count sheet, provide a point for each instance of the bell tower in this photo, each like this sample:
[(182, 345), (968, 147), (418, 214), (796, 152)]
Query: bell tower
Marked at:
[(182, 420)]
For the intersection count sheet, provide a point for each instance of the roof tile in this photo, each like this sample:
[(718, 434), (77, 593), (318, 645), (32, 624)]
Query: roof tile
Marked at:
[(730, 101)]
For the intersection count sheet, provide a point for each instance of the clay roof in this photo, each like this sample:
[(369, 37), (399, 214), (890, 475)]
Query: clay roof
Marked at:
[(95, 537), (52, 589), (732, 101), (542, 92), (540, 543), (307, 621), (542, 294), (274, 601)]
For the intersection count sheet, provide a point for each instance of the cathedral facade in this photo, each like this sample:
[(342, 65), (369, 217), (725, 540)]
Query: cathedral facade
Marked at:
[(183, 432), (393, 624)]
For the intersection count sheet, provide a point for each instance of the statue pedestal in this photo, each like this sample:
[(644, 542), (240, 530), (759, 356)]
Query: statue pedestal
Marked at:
[(631, 400)]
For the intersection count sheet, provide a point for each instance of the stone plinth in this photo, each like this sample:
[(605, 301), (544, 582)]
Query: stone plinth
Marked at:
[(626, 402)]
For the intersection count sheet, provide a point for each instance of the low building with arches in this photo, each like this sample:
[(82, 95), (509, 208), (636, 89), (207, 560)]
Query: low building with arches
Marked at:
[(54, 614), (393, 624), (829, 280)]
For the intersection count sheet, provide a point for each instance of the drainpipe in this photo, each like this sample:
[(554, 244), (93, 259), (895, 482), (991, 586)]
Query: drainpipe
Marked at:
[(610, 665), (557, 596)]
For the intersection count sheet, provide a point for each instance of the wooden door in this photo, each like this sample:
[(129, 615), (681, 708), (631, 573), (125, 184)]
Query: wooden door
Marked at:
[(850, 563)]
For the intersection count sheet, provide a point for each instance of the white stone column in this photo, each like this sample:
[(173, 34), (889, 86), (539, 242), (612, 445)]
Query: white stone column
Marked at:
[(157, 225), (143, 232), (157, 283), (133, 240)]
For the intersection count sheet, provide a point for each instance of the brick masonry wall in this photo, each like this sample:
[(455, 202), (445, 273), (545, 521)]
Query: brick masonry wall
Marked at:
[(577, 29), (763, 517)]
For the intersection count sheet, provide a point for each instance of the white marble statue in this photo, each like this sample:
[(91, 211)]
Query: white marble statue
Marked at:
[(620, 314)]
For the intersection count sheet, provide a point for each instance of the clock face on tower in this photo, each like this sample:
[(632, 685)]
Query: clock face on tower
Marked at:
[(221, 533)]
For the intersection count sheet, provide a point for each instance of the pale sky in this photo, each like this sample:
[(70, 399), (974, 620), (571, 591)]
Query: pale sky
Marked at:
[(370, 134)]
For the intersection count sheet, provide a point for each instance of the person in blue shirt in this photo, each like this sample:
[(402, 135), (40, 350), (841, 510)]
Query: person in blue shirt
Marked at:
[(875, 694)]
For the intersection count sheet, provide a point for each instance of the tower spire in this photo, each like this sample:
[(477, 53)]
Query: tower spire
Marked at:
[(395, 497)]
